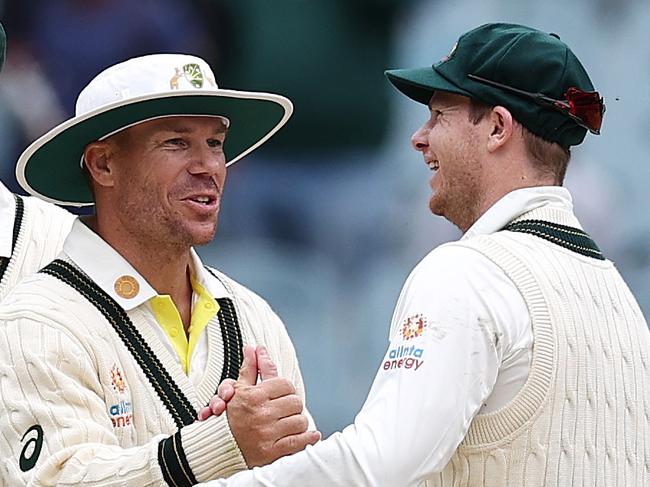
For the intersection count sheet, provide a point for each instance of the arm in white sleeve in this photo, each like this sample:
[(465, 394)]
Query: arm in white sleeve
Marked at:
[(446, 346)]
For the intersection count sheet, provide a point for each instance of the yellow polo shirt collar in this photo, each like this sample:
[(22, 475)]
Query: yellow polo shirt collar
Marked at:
[(204, 308), (129, 289)]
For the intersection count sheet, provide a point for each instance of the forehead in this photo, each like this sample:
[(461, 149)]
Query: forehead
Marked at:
[(443, 99), (216, 124), (181, 125)]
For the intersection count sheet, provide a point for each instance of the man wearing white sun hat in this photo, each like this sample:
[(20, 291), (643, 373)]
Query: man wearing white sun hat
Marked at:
[(110, 351), (31, 231)]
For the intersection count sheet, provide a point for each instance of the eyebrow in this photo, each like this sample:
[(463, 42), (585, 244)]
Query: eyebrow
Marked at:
[(439, 104)]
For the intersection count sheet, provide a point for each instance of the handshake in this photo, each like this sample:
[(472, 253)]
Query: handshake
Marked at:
[(267, 419)]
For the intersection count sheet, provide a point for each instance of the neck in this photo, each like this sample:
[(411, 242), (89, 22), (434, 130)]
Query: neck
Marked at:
[(505, 176), (165, 267)]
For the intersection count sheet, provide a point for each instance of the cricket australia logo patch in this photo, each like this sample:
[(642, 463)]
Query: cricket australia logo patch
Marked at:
[(121, 413), (117, 380), (193, 74), (414, 326)]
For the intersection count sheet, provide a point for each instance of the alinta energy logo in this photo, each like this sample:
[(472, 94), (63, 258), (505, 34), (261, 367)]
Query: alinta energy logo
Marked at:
[(121, 413), (405, 357)]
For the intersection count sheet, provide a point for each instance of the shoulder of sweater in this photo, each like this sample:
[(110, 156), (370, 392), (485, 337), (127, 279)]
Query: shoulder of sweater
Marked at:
[(454, 269), (44, 228), (45, 209), (458, 255), (48, 213), (44, 298), (47, 224)]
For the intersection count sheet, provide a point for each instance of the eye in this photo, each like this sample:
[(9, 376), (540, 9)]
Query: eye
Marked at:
[(176, 143), (215, 143)]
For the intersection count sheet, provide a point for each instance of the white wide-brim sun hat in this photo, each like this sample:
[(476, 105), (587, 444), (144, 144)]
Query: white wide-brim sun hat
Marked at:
[(132, 92)]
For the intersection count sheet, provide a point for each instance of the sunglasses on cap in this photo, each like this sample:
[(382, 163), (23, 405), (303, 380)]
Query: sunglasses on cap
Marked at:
[(586, 108)]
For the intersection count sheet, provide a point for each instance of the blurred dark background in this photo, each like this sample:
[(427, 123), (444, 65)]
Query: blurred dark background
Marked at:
[(327, 219)]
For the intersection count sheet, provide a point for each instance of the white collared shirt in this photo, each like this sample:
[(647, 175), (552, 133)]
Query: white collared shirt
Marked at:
[(105, 266), (514, 369), (7, 217), (460, 344)]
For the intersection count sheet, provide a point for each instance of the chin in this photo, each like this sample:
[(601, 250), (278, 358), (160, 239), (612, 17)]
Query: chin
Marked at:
[(203, 236), (198, 242), (197, 232), (436, 207)]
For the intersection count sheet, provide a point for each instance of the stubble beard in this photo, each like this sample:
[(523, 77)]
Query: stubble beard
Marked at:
[(162, 231), (177, 231), (459, 198)]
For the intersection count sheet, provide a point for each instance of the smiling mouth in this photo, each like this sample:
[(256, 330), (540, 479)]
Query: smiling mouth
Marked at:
[(433, 165), (206, 201)]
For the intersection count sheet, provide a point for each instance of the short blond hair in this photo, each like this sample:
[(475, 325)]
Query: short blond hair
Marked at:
[(549, 157)]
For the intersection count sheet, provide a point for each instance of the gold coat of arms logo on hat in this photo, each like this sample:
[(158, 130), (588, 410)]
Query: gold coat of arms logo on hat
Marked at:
[(193, 74)]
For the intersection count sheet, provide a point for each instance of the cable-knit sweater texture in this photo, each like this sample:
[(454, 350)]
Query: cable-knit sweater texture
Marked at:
[(582, 418), (71, 388), (43, 229)]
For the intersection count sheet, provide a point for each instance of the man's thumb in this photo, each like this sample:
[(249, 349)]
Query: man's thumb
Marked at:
[(266, 366), (248, 370)]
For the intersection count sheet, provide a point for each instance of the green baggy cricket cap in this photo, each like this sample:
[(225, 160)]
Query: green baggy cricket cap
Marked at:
[(533, 74)]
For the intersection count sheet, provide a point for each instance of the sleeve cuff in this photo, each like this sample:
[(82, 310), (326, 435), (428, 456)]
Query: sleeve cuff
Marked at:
[(209, 449)]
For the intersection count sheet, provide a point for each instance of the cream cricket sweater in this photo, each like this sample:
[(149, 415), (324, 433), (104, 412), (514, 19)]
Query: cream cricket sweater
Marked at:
[(76, 407), (39, 234), (583, 416)]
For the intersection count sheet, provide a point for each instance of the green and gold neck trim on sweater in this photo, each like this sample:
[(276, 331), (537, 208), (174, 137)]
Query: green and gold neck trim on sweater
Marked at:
[(175, 401), (570, 238)]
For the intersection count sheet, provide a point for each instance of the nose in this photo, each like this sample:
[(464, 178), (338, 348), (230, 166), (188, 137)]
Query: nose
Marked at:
[(206, 160), (419, 140)]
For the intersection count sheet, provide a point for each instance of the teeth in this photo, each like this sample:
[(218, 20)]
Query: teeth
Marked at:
[(434, 165), (202, 199)]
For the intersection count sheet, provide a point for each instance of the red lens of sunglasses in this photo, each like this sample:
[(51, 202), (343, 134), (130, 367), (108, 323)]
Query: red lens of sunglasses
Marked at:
[(588, 106)]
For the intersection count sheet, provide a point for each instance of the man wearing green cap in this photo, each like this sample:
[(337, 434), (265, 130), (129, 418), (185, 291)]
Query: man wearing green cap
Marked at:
[(31, 231), (108, 353), (517, 356)]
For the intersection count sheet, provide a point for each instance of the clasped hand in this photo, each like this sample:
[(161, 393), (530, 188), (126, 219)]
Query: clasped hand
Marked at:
[(266, 418)]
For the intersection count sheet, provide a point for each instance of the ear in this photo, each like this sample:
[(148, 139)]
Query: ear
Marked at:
[(501, 128), (98, 162)]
